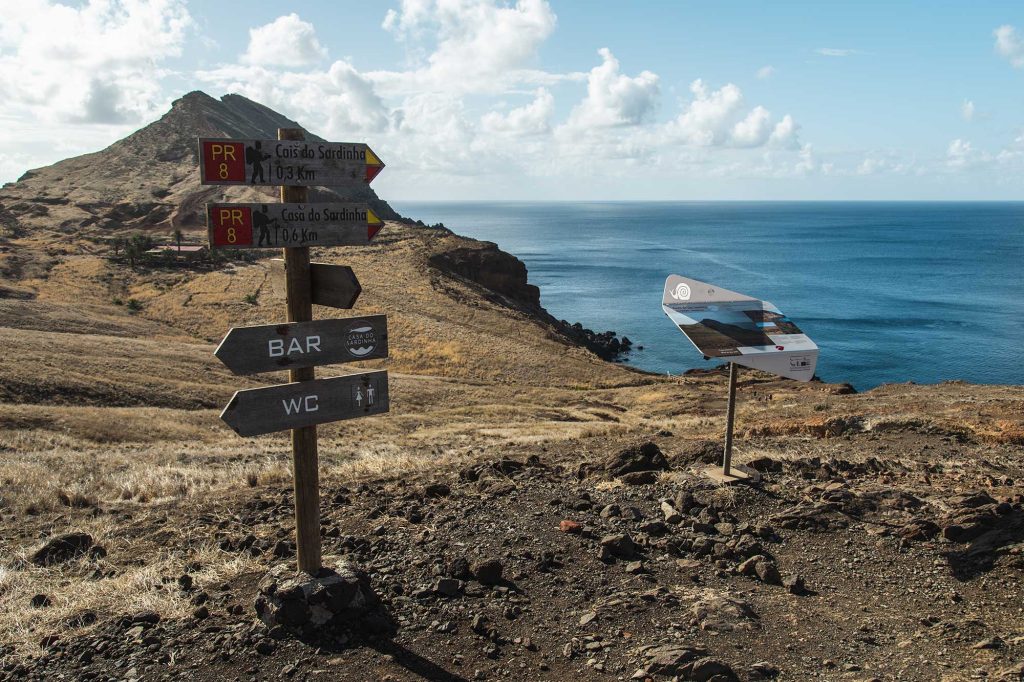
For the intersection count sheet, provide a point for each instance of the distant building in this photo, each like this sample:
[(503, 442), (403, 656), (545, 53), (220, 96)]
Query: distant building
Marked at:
[(183, 252)]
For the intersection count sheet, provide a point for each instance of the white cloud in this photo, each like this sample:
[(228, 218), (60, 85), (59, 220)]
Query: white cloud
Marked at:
[(754, 129), (785, 133), (707, 120), (766, 72), (875, 164), (286, 41), (615, 99), (834, 52), (480, 46), (93, 63), (715, 118), (1009, 45), (960, 154), (338, 101), (439, 121), (531, 119), (967, 110)]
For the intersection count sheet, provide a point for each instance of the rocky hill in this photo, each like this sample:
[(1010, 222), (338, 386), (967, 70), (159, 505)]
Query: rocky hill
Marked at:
[(148, 180)]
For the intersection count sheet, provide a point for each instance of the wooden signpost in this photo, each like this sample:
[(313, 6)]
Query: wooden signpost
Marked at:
[(269, 347), (293, 164), (267, 226)]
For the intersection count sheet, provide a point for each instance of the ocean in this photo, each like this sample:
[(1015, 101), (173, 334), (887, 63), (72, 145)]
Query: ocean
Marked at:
[(890, 291)]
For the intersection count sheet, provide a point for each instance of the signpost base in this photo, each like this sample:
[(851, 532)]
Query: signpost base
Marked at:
[(738, 473)]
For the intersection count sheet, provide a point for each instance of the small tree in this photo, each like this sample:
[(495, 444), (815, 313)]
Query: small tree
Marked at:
[(136, 246), (118, 244), (177, 239)]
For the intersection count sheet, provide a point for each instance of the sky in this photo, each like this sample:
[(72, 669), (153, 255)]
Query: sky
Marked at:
[(555, 100)]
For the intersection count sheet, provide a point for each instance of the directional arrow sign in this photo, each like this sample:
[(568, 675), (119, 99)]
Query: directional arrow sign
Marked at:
[(255, 226), (292, 163), (266, 348), (334, 286), (304, 403)]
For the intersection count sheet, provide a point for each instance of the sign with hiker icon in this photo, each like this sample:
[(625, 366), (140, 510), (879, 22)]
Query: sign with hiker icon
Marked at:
[(289, 163), (255, 226)]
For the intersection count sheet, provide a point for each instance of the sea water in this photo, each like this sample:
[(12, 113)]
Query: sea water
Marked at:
[(890, 292)]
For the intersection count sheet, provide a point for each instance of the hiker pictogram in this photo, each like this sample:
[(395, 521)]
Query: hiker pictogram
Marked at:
[(255, 156)]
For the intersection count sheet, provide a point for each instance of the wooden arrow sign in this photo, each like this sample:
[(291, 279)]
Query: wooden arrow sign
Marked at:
[(305, 403), (292, 163), (334, 286), (267, 226), (266, 348)]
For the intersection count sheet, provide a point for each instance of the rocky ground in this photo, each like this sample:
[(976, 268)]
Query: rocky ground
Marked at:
[(628, 564)]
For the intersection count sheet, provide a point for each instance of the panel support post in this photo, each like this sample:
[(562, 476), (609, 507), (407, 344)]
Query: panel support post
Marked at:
[(304, 450), (730, 416)]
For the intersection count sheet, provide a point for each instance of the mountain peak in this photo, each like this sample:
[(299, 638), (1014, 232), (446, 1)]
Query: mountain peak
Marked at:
[(150, 179)]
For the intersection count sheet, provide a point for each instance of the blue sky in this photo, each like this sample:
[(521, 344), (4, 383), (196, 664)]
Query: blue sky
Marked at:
[(556, 100)]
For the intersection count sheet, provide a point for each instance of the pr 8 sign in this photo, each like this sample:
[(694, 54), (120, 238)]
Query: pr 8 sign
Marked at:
[(223, 162), (230, 226)]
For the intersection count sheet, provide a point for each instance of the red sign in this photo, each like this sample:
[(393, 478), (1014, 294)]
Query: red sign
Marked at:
[(230, 226), (223, 161)]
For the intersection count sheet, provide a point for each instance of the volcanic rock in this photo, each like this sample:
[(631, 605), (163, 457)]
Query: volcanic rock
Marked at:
[(62, 548), (644, 457), (303, 603)]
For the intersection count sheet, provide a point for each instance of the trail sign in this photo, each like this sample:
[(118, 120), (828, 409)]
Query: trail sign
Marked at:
[(255, 226), (289, 163), (270, 347), (741, 329), (257, 411), (744, 331), (334, 286)]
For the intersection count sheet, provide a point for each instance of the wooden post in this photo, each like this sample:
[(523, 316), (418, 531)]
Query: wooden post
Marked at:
[(729, 417), (304, 452)]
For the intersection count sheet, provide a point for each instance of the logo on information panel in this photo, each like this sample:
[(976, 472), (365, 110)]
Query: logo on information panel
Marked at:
[(360, 339), (681, 292)]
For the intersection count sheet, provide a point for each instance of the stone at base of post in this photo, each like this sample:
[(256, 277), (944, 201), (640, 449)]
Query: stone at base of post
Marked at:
[(333, 601), (737, 474)]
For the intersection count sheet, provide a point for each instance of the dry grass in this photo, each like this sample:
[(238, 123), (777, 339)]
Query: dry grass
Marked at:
[(132, 589)]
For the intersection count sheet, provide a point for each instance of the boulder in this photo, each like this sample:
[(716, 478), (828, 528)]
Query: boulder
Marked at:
[(302, 603), (619, 545), (722, 613), (62, 548), (668, 659), (711, 670), (644, 457), (767, 572), (487, 571), (640, 478)]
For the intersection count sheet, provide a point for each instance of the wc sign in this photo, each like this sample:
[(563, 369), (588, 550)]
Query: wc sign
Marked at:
[(291, 406)]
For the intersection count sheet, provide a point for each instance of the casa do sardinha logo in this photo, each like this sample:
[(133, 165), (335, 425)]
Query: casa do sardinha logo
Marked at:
[(360, 339)]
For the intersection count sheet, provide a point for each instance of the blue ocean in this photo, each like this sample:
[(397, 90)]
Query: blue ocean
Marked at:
[(890, 292)]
